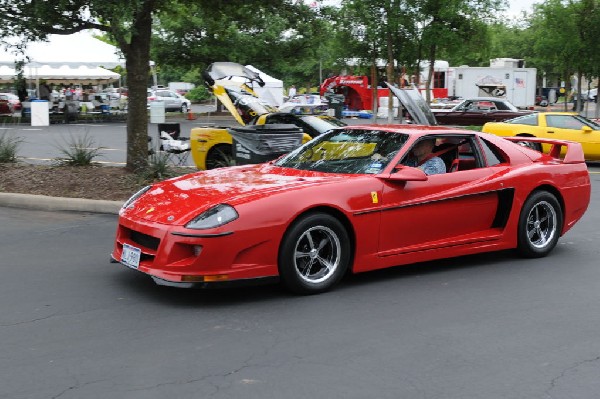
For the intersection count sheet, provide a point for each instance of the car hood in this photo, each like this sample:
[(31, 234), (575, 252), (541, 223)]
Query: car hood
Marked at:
[(414, 103), (229, 81), (178, 200)]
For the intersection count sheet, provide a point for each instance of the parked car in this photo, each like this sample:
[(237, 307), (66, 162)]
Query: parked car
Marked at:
[(556, 125), (9, 103), (305, 103), (212, 147), (330, 207), (589, 95), (477, 111), (172, 100)]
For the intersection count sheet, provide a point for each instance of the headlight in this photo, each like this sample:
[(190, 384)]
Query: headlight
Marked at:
[(214, 217), (134, 197)]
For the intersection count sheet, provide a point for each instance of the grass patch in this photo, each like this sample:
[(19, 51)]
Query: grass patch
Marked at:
[(9, 147), (80, 151)]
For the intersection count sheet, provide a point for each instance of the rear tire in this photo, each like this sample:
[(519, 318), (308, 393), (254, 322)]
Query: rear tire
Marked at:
[(314, 254), (540, 225), (184, 108), (219, 156)]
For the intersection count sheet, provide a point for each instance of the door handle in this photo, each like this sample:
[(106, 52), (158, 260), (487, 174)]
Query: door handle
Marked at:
[(550, 131)]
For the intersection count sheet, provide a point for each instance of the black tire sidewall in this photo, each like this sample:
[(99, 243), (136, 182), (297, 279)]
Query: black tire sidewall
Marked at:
[(287, 272), (524, 245), (212, 153)]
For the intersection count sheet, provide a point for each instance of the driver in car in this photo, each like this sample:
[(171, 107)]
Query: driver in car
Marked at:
[(421, 157)]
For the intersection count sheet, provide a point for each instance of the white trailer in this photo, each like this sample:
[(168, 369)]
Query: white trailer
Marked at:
[(517, 85)]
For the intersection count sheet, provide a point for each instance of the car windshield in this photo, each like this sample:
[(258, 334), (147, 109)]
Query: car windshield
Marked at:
[(594, 125), (352, 151), (322, 124)]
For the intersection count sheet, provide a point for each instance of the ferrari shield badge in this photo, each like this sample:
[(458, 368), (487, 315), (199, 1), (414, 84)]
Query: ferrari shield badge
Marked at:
[(374, 197)]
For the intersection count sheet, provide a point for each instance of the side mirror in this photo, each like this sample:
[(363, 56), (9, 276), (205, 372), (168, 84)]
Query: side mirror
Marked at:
[(405, 173), (586, 129)]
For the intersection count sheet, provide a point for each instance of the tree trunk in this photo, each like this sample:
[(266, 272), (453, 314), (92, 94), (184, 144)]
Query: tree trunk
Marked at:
[(138, 69), (579, 103), (432, 51), (390, 76), (374, 82)]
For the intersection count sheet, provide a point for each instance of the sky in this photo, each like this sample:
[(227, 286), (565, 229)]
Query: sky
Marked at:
[(514, 6)]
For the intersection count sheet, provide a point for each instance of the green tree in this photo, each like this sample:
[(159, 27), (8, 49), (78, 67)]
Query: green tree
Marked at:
[(130, 25), (563, 38), (449, 25), (126, 23), (281, 38)]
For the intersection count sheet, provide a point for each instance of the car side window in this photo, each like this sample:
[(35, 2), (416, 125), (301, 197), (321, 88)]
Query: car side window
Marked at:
[(459, 153), (493, 155), (563, 122), (501, 106), (467, 106), (484, 106), (531, 120)]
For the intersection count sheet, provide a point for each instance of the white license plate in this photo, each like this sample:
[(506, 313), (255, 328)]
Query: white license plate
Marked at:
[(131, 256)]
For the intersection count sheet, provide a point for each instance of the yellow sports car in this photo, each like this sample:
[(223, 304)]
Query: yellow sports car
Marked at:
[(212, 147), (554, 125)]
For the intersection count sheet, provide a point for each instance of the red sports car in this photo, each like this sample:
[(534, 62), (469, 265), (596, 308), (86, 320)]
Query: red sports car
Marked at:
[(345, 202)]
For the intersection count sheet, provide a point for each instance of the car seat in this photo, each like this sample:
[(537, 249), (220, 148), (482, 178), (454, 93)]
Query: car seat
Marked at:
[(448, 152)]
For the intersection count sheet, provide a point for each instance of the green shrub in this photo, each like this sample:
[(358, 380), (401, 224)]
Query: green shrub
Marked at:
[(198, 94), (79, 151), (8, 148)]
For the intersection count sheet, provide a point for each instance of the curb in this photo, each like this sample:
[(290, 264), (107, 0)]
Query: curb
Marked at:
[(46, 203)]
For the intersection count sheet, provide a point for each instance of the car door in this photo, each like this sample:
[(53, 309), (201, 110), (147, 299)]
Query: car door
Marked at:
[(466, 114), (166, 98), (571, 127), (446, 210)]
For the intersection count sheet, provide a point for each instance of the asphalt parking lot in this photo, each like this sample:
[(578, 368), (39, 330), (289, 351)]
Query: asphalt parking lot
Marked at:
[(74, 325), (491, 326)]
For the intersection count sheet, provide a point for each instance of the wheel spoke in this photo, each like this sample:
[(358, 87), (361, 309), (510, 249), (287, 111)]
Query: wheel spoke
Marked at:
[(317, 254), (541, 235), (307, 269), (325, 263), (300, 254), (311, 243), (322, 244)]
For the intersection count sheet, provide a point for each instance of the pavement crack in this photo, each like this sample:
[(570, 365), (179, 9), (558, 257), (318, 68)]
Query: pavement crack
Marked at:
[(77, 386), (554, 381), (28, 321)]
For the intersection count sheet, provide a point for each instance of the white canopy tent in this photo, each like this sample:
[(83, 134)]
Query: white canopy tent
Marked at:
[(75, 50), (79, 58), (61, 75)]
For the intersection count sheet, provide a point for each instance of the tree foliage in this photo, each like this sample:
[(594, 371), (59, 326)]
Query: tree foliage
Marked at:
[(126, 23)]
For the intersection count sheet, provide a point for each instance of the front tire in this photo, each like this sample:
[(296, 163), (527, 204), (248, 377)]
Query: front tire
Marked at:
[(219, 156), (540, 225), (314, 254), (184, 108)]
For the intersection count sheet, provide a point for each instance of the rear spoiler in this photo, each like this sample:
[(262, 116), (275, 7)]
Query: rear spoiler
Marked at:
[(573, 154)]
